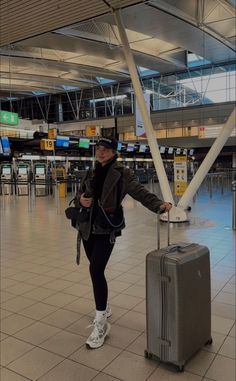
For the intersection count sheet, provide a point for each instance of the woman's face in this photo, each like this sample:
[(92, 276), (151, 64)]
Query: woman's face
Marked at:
[(103, 154)]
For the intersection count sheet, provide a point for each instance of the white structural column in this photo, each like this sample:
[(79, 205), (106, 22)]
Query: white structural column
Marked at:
[(157, 160), (208, 161)]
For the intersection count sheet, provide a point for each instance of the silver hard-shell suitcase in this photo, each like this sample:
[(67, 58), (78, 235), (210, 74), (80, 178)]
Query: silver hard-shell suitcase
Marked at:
[(178, 301)]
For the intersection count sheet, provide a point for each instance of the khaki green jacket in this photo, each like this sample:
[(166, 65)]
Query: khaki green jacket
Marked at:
[(114, 192)]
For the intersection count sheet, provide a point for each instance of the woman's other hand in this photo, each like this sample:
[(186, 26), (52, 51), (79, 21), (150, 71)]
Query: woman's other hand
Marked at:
[(86, 202)]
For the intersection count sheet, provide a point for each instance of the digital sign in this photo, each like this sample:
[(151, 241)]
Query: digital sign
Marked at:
[(62, 141), (10, 118), (5, 145), (22, 170), (6, 170), (119, 147), (142, 148), (84, 143), (1, 149), (39, 170), (130, 147), (162, 149)]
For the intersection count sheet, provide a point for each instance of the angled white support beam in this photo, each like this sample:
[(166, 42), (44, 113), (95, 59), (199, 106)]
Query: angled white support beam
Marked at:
[(160, 170), (176, 214), (208, 161)]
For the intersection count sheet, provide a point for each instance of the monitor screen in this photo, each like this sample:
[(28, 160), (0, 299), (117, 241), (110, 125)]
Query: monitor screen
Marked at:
[(170, 150), (40, 170), (142, 148), (136, 147), (130, 147), (62, 141), (84, 143), (6, 171), (1, 149), (5, 145), (22, 170), (178, 150), (185, 151), (191, 152), (119, 147), (162, 149)]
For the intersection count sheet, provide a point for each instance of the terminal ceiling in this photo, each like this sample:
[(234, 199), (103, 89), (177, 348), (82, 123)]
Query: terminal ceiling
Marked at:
[(61, 45)]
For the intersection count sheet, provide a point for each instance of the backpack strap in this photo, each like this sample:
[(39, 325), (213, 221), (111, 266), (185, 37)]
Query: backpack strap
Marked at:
[(73, 199)]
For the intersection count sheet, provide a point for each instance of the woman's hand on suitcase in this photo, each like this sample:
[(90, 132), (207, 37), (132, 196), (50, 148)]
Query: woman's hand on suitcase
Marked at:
[(165, 207)]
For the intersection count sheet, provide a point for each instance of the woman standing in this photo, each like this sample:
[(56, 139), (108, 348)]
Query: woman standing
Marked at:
[(102, 192)]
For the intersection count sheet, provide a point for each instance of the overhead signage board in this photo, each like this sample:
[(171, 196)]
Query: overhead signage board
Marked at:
[(52, 133), (212, 131), (201, 132), (92, 131), (180, 175), (47, 144), (10, 118)]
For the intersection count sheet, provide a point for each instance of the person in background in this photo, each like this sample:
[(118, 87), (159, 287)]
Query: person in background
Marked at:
[(101, 193)]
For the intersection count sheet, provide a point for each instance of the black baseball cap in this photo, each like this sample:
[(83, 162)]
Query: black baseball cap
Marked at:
[(108, 142)]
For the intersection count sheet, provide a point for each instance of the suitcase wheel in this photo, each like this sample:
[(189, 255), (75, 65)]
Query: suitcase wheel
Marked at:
[(180, 368), (209, 342), (147, 355)]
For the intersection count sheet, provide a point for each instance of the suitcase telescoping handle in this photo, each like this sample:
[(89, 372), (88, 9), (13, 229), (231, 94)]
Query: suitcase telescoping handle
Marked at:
[(158, 230)]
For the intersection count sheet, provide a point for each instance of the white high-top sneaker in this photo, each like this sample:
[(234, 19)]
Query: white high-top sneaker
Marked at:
[(100, 331)]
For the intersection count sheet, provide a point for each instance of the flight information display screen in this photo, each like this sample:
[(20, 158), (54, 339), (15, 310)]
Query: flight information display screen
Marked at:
[(119, 147), (142, 148), (5, 145), (84, 143), (162, 149), (130, 147), (62, 141)]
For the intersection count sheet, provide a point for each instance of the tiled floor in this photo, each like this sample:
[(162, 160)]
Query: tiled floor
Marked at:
[(47, 302)]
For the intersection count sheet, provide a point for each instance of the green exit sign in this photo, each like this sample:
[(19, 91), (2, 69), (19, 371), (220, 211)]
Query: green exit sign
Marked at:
[(7, 117)]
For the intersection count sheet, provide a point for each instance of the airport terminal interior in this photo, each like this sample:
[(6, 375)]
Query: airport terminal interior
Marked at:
[(159, 77)]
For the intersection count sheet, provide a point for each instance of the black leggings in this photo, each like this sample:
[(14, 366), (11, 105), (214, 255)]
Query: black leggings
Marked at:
[(98, 250)]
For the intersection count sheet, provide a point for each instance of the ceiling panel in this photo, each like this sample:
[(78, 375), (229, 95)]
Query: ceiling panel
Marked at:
[(167, 27), (172, 59), (21, 19), (83, 41)]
